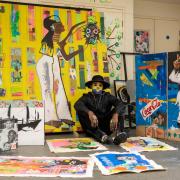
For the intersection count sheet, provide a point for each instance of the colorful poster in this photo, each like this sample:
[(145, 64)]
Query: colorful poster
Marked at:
[(141, 41), (140, 144), (151, 95), (115, 162), (46, 166), (73, 145), (29, 116), (174, 96)]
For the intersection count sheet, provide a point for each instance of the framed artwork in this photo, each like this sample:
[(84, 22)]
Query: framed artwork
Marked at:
[(120, 90), (117, 85), (141, 41)]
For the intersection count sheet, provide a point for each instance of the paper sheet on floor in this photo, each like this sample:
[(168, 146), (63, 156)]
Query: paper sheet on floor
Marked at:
[(46, 166), (116, 162), (73, 145), (140, 144)]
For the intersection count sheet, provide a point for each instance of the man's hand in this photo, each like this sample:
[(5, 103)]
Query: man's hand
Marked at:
[(114, 122), (93, 119)]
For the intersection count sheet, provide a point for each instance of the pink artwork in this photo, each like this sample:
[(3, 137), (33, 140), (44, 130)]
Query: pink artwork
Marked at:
[(46, 166)]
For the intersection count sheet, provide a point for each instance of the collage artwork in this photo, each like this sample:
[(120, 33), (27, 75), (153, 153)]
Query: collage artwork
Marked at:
[(35, 65)]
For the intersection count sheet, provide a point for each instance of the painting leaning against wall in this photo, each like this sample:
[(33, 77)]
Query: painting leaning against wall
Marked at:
[(46, 57)]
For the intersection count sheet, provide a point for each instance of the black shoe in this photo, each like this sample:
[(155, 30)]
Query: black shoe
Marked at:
[(120, 138), (106, 140)]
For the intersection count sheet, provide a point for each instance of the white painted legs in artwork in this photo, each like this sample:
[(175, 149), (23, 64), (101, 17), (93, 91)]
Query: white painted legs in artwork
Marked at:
[(53, 93)]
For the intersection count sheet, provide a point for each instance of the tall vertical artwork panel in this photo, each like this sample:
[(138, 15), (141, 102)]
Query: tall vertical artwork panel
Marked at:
[(115, 44), (47, 54), (151, 98), (173, 96)]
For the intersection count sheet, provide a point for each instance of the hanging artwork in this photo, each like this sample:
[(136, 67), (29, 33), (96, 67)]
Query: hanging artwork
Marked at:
[(116, 162), (74, 144), (29, 117), (46, 166), (141, 41), (139, 144), (46, 56), (114, 40)]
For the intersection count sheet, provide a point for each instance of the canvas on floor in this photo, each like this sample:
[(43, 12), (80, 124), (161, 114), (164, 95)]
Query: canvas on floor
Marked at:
[(74, 144)]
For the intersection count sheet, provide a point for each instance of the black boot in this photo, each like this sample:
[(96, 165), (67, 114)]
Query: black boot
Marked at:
[(106, 139), (120, 137)]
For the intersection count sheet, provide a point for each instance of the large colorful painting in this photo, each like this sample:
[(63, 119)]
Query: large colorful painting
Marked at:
[(116, 162), (74, 144), (157, 91), (47, 54), (151, 98), (46, 166)]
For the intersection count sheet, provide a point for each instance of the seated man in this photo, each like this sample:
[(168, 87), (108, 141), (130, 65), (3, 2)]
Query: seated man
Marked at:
[(100, 113)]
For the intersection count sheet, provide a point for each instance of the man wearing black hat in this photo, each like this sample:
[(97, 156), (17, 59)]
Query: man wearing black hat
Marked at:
[(100, 113)]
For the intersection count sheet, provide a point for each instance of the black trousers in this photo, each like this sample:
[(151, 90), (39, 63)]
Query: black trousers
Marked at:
[(103, 125)]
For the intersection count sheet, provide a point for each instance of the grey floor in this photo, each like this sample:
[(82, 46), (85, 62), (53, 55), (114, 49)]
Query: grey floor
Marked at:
[(168, 159)]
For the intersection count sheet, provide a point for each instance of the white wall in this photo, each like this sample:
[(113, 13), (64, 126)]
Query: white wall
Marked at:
[(160, 19)]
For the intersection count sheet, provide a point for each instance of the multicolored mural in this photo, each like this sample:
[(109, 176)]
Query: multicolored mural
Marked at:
[(48, 53)]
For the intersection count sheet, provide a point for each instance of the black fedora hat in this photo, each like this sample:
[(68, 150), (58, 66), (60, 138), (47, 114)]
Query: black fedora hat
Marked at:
[(97, 78)]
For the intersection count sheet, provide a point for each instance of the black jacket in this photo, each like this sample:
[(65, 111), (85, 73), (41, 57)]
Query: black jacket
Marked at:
[(100, 104)]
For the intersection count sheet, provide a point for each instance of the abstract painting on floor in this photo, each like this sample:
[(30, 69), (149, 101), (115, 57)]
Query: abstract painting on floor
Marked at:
[(115, 162), (140, 144), (46, 166), (74, 144)]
